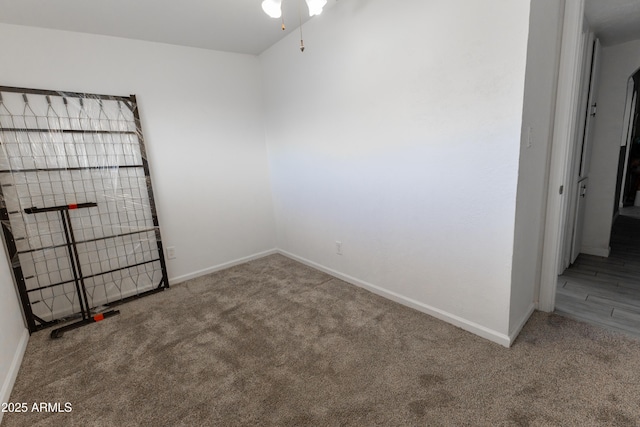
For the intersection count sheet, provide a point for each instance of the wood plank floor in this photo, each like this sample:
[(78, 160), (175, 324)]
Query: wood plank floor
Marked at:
[(606, 291)]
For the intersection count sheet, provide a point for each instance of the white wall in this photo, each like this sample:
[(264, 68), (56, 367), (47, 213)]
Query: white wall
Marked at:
[(397, 133), (203, 124), (618, 64), (13, 333), (543, 56)]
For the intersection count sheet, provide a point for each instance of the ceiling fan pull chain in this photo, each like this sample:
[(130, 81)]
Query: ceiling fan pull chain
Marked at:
[(300, 16)]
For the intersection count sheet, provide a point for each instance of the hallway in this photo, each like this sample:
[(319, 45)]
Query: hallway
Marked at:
[(606, 291)]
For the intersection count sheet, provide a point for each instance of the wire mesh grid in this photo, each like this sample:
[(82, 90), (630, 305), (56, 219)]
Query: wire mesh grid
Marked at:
[(77, 203)]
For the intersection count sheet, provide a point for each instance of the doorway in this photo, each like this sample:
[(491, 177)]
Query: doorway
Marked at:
[(606, 290), (597, 239)]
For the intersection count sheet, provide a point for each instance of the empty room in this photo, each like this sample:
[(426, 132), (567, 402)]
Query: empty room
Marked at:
[(310, 212)]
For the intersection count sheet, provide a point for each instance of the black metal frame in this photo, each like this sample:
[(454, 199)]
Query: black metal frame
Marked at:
[(34, 323)]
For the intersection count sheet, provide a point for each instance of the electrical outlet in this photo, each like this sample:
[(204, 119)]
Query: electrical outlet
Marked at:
[(171, 252), (338, 247)]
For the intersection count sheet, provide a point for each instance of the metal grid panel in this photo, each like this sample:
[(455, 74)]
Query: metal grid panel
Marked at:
[(77, 204)]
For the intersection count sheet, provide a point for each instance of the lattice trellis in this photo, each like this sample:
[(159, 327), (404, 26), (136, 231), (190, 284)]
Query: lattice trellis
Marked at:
[(77, 206)]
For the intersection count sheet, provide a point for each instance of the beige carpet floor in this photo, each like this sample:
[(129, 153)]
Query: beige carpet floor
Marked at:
[(273, 342)]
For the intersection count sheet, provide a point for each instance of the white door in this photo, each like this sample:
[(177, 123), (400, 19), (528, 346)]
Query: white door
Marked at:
[(583, 154)]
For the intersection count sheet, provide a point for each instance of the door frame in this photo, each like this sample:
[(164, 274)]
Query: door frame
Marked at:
[(564, 130)]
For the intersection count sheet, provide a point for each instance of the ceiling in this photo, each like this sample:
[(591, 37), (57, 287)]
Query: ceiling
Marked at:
[(227, 25), (614, 21), (234, 25)]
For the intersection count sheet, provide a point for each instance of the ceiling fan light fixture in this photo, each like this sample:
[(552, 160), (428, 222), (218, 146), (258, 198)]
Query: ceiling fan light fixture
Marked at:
[(273, 8), (315, 6)]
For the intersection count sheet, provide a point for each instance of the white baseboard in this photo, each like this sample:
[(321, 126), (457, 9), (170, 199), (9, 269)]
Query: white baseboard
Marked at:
[(465, 324), (523, 321), (193, 275), (591, 250), (10, 379)]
